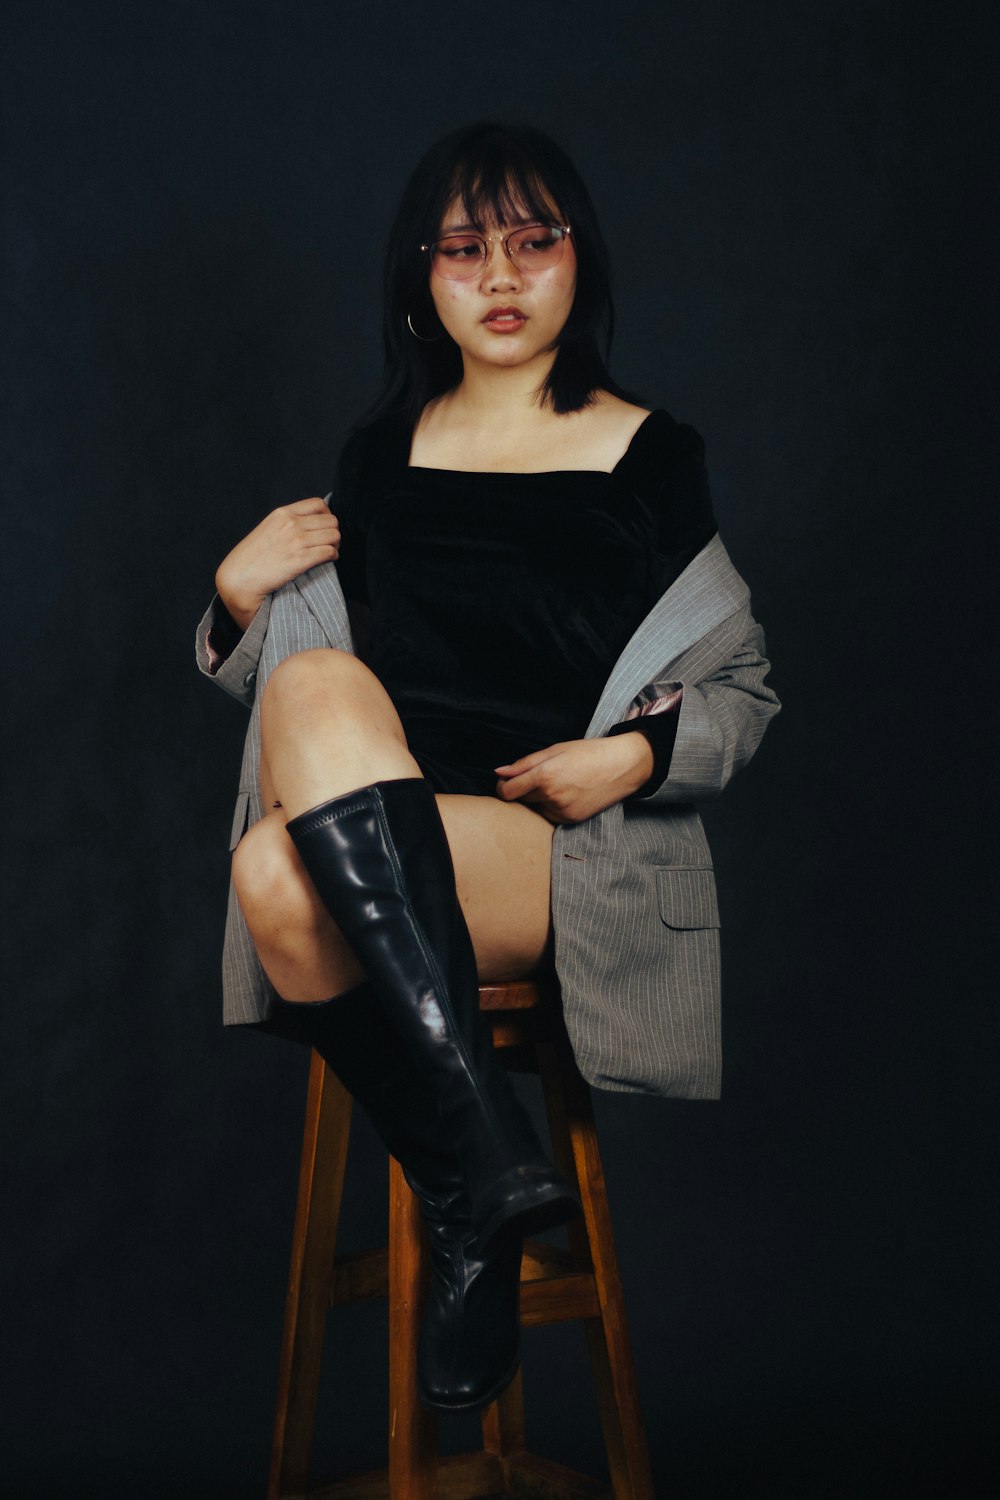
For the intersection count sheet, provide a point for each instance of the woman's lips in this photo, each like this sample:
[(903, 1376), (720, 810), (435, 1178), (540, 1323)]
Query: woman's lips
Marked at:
[(505, 320)]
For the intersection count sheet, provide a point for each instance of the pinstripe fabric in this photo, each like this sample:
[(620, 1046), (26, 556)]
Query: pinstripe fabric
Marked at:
[(287, 622), (634, 909)]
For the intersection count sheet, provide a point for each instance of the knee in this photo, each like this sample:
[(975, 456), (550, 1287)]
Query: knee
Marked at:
[(310, 675), (268, 884)]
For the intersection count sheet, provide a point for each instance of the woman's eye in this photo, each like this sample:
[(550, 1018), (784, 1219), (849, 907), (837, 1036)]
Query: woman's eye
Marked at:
[(538, 242), (459, 249)]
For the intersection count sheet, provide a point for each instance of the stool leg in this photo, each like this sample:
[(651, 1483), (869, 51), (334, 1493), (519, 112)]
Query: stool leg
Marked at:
[(321, 1180), (574, 1140), (412, 1430), (503, 1422)]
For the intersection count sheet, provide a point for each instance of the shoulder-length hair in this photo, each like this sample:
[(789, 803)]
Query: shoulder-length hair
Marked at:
[(498, 172)]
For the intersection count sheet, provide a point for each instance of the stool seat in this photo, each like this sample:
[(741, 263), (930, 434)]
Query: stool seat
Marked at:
[(557, 1284)]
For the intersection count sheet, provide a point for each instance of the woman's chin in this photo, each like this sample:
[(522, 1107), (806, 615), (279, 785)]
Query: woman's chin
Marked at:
[(511, 352)]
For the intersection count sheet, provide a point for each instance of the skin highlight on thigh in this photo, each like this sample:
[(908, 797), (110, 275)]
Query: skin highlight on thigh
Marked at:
[(327, 726), (501, 853)]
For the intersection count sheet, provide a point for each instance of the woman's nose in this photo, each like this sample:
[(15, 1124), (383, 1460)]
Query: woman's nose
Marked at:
[(499, 270)]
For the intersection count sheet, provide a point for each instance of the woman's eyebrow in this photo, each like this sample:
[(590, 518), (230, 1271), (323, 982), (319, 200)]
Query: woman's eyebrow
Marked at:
[(478, 228)]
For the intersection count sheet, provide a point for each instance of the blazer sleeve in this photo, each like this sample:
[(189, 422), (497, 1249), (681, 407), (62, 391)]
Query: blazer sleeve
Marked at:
[(722, 718), (236, 673)]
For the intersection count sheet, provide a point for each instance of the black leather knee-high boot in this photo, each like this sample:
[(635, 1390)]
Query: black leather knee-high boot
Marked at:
[(470, 1334), (380, 861)]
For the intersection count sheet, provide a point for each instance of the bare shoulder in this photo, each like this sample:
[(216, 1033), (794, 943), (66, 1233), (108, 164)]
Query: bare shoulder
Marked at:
[(615, 409), (623, 418), (607, 427)]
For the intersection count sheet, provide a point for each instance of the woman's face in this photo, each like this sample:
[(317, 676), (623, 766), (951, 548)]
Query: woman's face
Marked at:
[(504, 316)]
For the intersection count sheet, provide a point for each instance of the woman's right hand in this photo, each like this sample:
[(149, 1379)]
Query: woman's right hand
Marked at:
[(288, 542)]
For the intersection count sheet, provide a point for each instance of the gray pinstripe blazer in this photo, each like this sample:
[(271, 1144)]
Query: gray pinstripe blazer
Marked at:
[(634, 910)]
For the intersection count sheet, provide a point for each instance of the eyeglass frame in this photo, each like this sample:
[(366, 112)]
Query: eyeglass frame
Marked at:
[(486, 239)]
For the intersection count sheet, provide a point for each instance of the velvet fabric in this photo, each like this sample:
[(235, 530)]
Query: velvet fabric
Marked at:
[(500, 602)]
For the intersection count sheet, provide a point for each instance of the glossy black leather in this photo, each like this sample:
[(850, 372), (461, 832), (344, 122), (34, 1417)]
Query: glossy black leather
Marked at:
[(469, 1345), (380, 861), (469, 1342)]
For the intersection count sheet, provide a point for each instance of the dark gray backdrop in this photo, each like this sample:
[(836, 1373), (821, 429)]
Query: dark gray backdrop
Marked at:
[(796, 198)]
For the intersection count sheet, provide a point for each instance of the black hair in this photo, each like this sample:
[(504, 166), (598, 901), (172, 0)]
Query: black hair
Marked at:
[(498, 172)]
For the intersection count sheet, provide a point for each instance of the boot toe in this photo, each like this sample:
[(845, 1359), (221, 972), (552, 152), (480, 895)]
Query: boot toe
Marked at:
[(470, 1337)]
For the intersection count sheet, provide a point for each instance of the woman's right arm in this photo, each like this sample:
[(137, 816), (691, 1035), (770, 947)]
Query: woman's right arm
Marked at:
[(288, 542)]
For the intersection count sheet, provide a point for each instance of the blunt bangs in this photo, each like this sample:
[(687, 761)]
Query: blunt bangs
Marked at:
[(499, 174), (496, 185)]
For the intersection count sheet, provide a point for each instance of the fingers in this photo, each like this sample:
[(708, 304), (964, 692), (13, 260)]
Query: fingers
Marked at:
[(313, 506), (301, 517), (306, 530), (566, 782), (528, 762), (524, 786), (325, 522), (527, 779), (292, 539)]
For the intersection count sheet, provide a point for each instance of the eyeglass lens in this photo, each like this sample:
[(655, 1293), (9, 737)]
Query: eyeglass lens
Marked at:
[(459, 257)]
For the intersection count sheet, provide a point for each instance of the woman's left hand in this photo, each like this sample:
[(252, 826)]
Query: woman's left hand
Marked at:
[(578, 778)]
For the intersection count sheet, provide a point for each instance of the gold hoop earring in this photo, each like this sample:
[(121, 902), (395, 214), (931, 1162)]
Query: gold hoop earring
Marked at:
[(420, 336)]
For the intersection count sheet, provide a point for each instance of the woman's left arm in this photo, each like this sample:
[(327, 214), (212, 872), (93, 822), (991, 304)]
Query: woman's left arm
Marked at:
[(721, 721), (575, 779)]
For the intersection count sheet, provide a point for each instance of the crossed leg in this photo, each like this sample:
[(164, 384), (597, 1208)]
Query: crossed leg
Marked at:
[(327, 727)]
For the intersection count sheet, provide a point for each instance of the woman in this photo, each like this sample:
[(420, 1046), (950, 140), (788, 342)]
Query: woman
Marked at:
[(516, 526)]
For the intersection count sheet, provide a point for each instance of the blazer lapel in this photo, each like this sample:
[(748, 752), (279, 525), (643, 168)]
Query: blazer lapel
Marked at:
[(707, 592)]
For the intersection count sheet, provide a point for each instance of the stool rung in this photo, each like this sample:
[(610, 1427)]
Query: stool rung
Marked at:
[(468, 1476), (537, 1478), (359, 1277), (540, 1259), (554, 1299), (363, 1275), (460, 1476)]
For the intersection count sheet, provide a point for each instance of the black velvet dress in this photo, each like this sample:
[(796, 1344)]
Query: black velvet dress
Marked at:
[(499, 603)]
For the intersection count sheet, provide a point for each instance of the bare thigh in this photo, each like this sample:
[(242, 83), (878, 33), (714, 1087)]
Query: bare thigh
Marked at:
[(501, 852)]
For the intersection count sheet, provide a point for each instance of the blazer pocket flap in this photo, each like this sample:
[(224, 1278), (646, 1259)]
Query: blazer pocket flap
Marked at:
[(686, 896), (239, 819)]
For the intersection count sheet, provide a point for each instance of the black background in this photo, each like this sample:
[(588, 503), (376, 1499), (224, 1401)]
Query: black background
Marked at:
[(797, 199)]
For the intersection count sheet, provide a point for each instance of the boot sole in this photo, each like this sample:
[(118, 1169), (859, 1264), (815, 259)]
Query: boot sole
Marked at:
[(430, 1404), (546, 1209)]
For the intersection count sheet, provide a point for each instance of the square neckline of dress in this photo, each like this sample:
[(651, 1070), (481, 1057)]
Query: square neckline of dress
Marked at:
[(531, 473)]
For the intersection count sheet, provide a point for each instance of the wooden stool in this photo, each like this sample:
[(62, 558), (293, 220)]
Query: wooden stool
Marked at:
[(556, 1285)]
